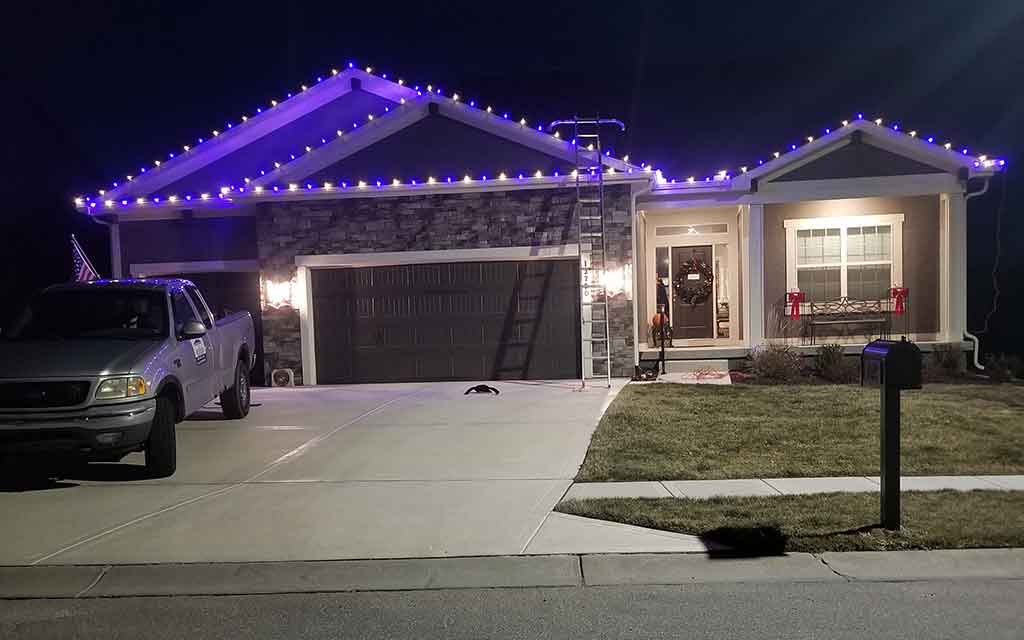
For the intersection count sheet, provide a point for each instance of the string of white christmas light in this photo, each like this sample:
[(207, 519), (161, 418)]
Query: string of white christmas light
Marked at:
[(430, 89), (725, 175)]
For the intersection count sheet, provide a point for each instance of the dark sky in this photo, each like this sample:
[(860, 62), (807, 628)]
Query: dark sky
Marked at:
[(94, 90)]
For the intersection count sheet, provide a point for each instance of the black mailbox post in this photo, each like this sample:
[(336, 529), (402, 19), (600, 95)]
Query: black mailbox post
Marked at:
[(892, 365)]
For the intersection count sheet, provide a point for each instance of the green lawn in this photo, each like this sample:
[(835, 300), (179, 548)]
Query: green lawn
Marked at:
[(825, 522), (686, 432)]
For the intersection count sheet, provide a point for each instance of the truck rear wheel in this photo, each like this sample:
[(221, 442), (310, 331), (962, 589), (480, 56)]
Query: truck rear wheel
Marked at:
[(234, 402), (161, 446)]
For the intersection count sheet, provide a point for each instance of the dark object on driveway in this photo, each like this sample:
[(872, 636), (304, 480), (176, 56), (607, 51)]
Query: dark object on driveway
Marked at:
[(97, 370), (892, 365), (481, 388)]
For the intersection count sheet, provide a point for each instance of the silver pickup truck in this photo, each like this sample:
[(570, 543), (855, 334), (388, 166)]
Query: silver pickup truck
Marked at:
[(93, 371)]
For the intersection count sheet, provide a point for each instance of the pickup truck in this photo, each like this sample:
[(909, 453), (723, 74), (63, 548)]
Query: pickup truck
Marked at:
[(93, 371)]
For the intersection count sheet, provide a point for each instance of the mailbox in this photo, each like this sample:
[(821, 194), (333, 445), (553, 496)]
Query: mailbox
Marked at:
[(893, 363)]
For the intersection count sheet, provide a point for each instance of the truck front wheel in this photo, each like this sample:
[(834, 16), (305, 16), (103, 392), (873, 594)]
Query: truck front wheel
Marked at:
[(234, 402), (161, 446)]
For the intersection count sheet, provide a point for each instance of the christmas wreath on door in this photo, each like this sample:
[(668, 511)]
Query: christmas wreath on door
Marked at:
[(690, 289)]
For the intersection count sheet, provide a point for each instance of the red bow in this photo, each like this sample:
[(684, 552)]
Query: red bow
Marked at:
[(795, 298), (899, 294)]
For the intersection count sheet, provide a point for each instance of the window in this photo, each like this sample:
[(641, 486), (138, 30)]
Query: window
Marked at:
[(200, 305), (183, 311), (857, 257)]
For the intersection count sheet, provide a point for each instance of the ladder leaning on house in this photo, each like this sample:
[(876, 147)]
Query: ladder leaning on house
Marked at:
[(596, 352)]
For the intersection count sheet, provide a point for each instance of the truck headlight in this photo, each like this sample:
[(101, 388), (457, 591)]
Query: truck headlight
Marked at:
[(128, 387)]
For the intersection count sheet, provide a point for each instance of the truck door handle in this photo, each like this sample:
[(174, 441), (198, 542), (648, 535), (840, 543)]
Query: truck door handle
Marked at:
[(177, 362)]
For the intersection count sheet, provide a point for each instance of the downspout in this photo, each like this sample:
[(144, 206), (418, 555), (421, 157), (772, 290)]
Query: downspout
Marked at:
[(636, 271), (970, 336)]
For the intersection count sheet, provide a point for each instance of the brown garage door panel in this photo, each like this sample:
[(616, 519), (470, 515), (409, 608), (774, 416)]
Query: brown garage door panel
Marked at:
[(450, 321)]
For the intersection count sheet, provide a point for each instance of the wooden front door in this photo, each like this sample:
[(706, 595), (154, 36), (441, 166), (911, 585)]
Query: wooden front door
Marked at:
[(692, 320)]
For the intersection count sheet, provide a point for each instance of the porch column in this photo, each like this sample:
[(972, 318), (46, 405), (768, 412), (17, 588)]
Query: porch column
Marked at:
[(753, 290), (952, 266), (115, 249)]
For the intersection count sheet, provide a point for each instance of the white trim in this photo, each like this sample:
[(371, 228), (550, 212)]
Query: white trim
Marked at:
[(307, 324), (754, 291), (677, 197), (304, 281), (152, 269), (953, 265), (390, 258)]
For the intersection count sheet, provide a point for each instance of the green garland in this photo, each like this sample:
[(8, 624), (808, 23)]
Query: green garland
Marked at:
[(693, 292)]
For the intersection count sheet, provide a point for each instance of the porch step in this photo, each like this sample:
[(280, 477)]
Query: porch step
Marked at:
[(691, 366)]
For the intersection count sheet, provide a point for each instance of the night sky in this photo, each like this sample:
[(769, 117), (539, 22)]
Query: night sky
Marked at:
[(94, 90)]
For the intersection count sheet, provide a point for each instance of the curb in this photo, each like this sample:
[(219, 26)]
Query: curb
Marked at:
[(211, 579)]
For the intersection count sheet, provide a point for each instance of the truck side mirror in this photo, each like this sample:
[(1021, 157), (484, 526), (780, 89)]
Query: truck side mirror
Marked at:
[(193, 329)]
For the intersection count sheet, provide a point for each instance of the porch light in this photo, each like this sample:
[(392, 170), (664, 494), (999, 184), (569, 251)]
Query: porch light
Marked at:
[(278, 294)]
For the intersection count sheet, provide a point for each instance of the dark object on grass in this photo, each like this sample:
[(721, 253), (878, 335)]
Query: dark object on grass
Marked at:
[(481, 388)]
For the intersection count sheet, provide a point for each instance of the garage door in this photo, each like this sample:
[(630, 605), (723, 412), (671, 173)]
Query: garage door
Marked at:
[(451, 321)]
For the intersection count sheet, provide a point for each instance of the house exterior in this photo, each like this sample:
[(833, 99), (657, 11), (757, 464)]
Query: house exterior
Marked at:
[(384, 232)]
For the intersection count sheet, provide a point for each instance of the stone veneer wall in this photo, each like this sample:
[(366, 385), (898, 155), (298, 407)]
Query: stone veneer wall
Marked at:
[(531, 217)]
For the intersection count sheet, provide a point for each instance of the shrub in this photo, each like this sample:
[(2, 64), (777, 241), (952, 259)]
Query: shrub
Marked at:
[(777, 362), (833, 365), (997, 367)]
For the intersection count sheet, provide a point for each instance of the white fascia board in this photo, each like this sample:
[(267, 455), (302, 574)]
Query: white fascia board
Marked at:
[(778, 192), (351, 142), (255, 127)]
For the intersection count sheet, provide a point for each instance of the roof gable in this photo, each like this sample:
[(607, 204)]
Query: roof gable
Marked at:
[(856, 159), (324, 123), (438, 147), (280, 145)]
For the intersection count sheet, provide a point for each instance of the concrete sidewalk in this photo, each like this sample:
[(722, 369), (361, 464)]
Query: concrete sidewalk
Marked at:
[(784, 486), (567, 570)]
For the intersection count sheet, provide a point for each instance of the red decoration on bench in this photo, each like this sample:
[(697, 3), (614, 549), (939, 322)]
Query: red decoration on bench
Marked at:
[(795, 298), (899, 294)]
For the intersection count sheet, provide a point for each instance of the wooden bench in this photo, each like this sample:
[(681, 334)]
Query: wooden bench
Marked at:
[(846, 312)]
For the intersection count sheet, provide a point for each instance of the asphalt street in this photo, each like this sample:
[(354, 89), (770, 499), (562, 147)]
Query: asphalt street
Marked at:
[(961, 609)]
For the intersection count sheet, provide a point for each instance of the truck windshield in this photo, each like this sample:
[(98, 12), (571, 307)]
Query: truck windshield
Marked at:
[(94, 313)]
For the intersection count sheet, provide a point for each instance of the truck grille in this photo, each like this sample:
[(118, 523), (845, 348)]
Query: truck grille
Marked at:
[(42, 395)]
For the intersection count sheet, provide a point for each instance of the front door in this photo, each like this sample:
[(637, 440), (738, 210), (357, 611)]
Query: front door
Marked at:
[(695, 317)]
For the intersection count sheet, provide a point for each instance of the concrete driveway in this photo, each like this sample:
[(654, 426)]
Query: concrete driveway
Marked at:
[(362, 471)]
